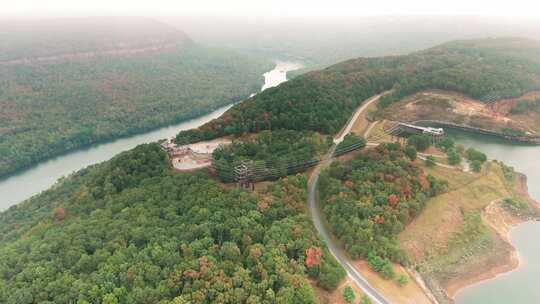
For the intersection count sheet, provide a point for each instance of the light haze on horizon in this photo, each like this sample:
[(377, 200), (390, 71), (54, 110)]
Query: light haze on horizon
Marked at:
[(274, 8)]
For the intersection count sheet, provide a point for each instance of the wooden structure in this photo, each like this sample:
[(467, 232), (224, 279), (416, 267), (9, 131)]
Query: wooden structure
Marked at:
[(243, 176)]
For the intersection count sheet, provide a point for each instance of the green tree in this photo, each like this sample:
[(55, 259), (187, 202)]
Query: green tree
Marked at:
[(431, 161), (348, 295), (157, 236), (420, 141), (475, 155), (454, 158), (402, 280), (447, 144), (365, 299), (387, 271), (410, 151), (476, 165)]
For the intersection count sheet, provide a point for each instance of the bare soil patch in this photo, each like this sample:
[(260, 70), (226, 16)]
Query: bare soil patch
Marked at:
[(461, 237), (460, 109), (197, 155), (408, 294), (499, 261)]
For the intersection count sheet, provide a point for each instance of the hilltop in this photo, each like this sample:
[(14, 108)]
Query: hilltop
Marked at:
[(488, 70)]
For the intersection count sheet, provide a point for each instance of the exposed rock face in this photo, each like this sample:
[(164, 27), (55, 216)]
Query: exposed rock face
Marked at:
[(76, 39)]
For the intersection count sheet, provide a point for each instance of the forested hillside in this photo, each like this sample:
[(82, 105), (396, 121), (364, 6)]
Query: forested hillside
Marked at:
[(273, 154), (86, 84), (371, 198), (322, 101), (133, 231)]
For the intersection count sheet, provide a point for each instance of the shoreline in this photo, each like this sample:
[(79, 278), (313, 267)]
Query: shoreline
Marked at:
[(494, 273), (501, 222), (44, 174), (511, 262)]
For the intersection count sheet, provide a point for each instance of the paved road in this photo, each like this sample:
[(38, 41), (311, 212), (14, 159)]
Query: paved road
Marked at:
[(345, 262), (375, 296), (359, 111)]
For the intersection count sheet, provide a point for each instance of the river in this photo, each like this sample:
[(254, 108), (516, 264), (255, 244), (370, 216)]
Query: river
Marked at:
[(29, 182), (520, 285)]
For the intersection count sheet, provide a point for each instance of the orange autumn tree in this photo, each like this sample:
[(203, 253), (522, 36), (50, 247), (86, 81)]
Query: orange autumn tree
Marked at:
[(313, 256), (369, 200)]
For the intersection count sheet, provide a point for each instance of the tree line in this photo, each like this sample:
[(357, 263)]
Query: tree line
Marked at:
[(131, 230), (323, 101), (369, 200)]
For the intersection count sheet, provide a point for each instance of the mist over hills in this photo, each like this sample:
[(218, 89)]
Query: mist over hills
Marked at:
[(65, 84), (325, 41), (50, 37)]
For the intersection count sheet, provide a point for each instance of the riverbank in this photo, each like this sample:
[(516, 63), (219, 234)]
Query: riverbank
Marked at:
[(31, 181), (518, 285), (461, 237), (502, 221), (506, 258)]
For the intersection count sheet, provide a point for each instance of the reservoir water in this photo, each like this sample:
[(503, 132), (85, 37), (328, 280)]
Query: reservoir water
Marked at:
[(42, 176), (520, 285)]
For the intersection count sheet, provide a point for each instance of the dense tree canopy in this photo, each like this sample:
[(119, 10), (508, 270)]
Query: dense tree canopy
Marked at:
[(370, 199), (322, 101), (271, 154), (132, 231)]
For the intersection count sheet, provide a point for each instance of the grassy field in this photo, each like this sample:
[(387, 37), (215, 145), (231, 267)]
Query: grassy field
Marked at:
[(451, 241), (410, 293), (452, 220)]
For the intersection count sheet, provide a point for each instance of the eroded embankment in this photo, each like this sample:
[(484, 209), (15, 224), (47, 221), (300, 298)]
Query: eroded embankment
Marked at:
[(500, 221), (510, 119), (461, 238)]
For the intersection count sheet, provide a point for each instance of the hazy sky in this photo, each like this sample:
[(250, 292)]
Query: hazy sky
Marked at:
[(273, 7)]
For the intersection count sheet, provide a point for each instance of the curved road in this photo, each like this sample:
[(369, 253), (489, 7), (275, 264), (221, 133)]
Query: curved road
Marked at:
[(355, 116), (345, 262), (375, 296)]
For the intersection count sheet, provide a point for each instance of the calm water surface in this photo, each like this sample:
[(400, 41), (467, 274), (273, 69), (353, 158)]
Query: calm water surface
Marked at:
[(523, 284), (27, 183)]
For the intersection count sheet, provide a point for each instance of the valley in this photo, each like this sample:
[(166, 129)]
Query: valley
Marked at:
[(26, 183), (296, 206), (69, 91)]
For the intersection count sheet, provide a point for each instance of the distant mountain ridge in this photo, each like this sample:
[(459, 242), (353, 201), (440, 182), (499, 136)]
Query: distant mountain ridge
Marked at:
[(66, 84), (22, 41), (323, 100)]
